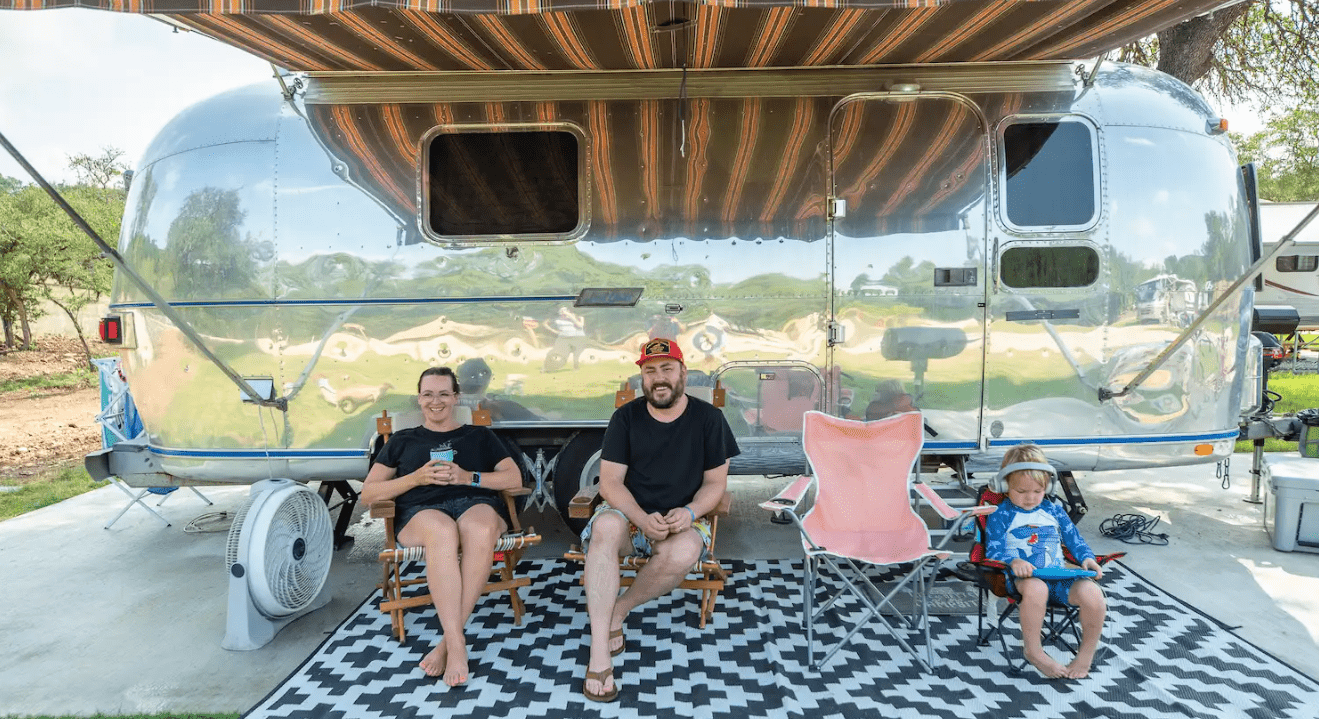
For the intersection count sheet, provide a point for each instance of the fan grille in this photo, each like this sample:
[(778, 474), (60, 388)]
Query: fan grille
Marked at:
[(236, 533), (298, 548)]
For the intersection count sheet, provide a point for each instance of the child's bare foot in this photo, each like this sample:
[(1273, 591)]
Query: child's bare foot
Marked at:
[(1046, 664), (434, 662), (1080, 667)]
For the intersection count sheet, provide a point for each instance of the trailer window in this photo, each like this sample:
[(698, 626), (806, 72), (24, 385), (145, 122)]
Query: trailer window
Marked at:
[(503, 183), (1050, 267), (1049, 174), (1297, 263)]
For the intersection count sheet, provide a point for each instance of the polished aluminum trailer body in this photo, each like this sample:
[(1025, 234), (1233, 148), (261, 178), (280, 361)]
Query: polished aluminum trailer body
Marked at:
[(853, 240)]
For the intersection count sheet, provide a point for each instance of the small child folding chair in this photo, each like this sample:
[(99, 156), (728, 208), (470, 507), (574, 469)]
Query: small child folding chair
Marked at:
[(1060, 620)]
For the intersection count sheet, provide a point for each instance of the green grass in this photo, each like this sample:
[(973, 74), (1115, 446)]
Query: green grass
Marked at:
[(55, 485), (68, 380), (167, 715), (1298, 392)]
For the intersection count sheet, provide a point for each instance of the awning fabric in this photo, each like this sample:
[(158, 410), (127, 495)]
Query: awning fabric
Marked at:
[(427, 35), (763, 178)]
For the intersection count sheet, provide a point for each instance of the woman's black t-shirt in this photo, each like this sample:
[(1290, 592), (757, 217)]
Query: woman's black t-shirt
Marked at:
[(475, 449), (666, 461)]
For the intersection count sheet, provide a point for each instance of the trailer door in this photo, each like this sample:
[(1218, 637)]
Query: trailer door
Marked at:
[(908, 261)]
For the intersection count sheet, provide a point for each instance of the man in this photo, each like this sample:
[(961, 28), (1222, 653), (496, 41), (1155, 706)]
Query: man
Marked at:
[(663, 466)]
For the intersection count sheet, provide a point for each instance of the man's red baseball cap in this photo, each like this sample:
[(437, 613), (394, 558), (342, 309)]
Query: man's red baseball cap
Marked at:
[(659, 349)]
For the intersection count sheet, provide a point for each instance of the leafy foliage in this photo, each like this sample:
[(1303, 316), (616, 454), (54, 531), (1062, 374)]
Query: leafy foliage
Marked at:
[(1286, 155), (1257, 52), (44, 256), (1260, 54)]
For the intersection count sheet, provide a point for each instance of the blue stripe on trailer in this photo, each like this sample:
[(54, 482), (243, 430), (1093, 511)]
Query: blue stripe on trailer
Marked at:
[(351, 302)]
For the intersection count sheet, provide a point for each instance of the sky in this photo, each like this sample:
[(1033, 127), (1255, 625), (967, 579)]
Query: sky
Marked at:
[(77, 81)]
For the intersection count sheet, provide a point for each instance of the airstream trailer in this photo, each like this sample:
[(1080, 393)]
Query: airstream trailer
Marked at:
[(966, 240)]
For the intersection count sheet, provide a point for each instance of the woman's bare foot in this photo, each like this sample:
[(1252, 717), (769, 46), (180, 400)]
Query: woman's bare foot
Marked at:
[(434, 662), (1046, 664), (455, 669)]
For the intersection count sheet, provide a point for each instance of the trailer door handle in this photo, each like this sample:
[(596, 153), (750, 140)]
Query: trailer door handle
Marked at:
[(1025, 315)]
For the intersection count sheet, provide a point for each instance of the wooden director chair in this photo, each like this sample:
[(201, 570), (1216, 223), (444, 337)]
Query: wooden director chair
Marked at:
[(508, 550), (708, 576)]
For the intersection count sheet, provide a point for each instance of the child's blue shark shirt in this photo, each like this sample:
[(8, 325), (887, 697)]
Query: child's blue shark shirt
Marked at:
[(1035, 535)]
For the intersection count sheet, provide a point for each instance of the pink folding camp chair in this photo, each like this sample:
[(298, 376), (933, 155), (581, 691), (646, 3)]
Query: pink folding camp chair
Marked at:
[(864, 516)]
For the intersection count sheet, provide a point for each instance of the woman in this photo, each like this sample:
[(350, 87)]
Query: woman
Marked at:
[(445, 478)]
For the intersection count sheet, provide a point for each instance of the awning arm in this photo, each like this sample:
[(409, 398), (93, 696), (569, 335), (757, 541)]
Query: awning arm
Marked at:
[(1285, 243), (280, 403)]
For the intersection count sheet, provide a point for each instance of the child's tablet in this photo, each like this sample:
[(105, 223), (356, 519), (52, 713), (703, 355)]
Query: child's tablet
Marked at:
[(1061, 573)]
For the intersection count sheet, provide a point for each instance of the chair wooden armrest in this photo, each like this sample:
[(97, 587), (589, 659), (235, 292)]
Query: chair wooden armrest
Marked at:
[(583, 504), (384, 509)]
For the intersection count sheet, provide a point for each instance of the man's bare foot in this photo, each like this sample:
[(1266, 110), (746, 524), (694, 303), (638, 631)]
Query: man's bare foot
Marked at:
[(595, 687), (433, 663), (615, 641), (1046, 665)]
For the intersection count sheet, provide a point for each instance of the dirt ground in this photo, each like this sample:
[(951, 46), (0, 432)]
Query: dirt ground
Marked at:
[(43, 428)]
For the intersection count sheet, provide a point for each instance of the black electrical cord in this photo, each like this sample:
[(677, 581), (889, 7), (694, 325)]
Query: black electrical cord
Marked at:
[(1133, 529)]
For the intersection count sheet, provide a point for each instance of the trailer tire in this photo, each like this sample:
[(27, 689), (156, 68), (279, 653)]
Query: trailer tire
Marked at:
[(577, 466), (347, 406)]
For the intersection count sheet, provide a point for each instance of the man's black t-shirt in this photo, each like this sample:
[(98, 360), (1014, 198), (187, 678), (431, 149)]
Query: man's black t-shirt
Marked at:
[(666, 461), (475, 449)]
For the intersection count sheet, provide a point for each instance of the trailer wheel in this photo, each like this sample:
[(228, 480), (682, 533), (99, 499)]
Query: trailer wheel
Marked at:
[(578, 466), (347, 406)]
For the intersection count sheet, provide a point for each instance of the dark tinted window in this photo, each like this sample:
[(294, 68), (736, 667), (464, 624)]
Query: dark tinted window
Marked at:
[(1297, 263), (1050, 267), (1050, 174), (503, 183)]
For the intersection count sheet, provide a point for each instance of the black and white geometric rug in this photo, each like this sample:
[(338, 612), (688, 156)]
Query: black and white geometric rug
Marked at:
[(1158, 658)]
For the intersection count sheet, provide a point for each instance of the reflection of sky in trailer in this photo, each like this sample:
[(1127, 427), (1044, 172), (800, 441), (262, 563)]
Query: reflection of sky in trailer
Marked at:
[(1159, 182)]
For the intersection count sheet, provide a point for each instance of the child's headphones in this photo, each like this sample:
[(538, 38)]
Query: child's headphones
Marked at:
[(999, 484)]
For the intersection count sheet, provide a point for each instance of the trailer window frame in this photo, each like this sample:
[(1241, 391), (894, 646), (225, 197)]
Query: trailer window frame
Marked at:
[(1045, 246), (1005, 184), (1296, 263), (424, 197)]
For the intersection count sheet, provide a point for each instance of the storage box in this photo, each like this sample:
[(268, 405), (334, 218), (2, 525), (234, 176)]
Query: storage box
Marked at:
[(1291, 513)]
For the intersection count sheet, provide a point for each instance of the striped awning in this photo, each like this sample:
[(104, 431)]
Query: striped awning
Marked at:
[(745, 168), (427, 35)]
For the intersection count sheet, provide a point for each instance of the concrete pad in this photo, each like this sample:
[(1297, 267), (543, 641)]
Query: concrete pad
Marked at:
[(130, 619)]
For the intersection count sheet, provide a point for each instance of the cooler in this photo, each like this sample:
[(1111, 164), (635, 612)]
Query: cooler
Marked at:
[(1292, 515)]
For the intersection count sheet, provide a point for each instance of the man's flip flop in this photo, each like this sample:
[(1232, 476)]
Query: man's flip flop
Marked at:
[(600, 676), (617, 634)]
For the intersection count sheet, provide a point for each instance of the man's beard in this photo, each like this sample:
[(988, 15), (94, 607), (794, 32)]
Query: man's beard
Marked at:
[(675, 391)]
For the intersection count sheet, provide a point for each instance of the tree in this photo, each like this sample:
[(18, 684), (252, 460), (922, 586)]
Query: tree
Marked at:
[(1257, 52), (42, 251), (101, 171), (1286, 155)]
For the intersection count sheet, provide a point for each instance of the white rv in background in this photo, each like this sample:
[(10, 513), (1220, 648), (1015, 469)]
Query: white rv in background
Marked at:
[(1293, 278)]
